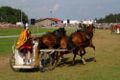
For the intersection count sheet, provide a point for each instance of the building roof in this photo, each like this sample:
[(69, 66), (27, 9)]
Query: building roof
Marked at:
[(53, 19)]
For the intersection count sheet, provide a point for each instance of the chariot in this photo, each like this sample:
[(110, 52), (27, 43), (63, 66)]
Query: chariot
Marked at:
[(27, 55)]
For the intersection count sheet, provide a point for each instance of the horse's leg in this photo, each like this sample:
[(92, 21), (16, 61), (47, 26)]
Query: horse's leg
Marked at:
[(73, 62), (61, 55), (92, 46), (75, 53), (53, 60), (82, 53)]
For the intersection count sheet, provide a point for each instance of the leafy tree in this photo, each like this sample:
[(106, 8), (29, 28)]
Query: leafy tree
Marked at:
[(11, 15), (111, 18)]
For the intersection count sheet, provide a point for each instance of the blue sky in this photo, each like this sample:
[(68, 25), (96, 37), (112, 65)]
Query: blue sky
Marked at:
[(65, 9)]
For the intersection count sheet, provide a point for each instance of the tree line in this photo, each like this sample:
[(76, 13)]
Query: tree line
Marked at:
[(12, 15), (111, 18)]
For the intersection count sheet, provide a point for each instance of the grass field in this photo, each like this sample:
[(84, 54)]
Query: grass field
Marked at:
[(7, 43), (16, 31), (107, 66)]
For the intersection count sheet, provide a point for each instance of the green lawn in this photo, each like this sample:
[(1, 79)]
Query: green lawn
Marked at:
[(16, 31), (7, 43), (107, 66)]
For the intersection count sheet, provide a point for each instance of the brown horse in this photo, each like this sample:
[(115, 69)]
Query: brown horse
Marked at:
[(53, 40), (80, 40)]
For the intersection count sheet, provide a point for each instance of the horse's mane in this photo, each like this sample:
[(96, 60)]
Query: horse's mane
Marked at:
[(59, 32)]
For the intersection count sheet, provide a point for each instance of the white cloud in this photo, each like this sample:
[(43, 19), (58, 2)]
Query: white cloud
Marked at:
[(55, 7)]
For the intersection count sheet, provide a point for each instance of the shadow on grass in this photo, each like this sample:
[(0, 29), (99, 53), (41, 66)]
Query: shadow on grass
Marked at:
[(64, 62), (29, 70), (77, 62)]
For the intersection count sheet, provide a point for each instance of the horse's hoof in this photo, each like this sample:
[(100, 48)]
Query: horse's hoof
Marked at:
[(42, 70), (83, 61), (94, 60)]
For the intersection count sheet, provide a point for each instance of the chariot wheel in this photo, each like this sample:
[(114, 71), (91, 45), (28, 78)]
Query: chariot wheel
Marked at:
[(12, 63), (46, 61)]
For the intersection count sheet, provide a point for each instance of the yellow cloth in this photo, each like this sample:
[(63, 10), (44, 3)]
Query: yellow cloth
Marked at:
[(22, 38)]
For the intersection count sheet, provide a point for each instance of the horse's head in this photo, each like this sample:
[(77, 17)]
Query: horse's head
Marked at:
[(90, 28), (60, 32)]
